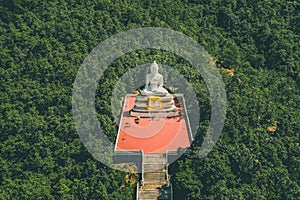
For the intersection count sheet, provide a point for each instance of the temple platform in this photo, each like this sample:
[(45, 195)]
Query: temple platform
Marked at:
[(153, 134), (159, 106)]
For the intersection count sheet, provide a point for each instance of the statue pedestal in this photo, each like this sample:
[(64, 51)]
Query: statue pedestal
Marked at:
[(154, 105)]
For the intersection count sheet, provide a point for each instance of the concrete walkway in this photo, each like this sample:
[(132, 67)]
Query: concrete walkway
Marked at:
[(155, 185)]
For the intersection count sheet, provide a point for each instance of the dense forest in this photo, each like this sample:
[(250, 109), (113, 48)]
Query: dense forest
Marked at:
[(255, 45)]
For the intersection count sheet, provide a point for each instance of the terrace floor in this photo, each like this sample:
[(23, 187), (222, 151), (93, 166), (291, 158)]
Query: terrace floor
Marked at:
[(152, 135)]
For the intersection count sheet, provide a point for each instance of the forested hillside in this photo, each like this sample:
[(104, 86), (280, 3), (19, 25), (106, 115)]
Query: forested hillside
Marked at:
[(255, 44)]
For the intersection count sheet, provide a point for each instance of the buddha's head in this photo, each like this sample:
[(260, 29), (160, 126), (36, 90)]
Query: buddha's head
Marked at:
[(154, 68)]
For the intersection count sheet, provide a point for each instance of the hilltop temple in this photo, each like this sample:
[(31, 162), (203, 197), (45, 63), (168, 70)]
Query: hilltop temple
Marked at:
[(154, 129), (153, 121)]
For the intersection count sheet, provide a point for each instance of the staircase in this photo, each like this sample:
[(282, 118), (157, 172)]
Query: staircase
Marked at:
[(154, 179)]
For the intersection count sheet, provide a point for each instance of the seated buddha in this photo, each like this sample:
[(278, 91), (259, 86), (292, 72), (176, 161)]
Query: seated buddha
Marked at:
[(154, 82)]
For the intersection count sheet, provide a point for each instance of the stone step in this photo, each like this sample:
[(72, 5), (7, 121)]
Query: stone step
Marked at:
[(154, 155), (139, 101), (154, 159), (151, 114), (152, 167), (147, 199), (155, 194), (152, 186), (164, 109), (145, 106), (154, 183), (147, 114), (154, 177), (149, 193), (163, 98)]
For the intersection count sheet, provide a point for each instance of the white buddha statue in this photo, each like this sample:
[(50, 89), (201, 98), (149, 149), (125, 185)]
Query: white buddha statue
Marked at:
[(154, 82), (154, 100)]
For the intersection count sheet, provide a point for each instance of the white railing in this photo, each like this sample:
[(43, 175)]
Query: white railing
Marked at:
[(137, 191), (167, 175), (120, 121), (190, 134), (143, 158)]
